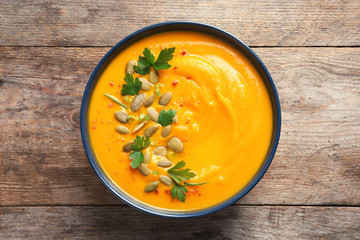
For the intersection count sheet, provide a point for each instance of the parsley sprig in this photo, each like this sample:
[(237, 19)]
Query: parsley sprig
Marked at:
[(136, 156), (140, 143), (148, 60), (165, 118), (132, 87), (180, 175)]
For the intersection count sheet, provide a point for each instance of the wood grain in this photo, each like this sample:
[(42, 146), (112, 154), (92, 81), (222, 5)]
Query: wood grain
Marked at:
[(104, 23), (122, 222), (43, 162)]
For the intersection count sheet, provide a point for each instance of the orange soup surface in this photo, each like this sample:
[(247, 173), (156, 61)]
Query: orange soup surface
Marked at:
[(224, 120)]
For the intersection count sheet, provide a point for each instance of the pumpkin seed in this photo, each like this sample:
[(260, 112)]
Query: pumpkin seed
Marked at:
[(137, 102), (147, 157), (122, 129), (153, 76), (175, 144), (151, 186), (145, 84), (130, 67), (160, 151), (143, 169), (121, 116), (138, 127), (164, 163), (151, 130), (153, 114), (127, 147), (149, 101), (166, 180), (165, 98), (166, 131)]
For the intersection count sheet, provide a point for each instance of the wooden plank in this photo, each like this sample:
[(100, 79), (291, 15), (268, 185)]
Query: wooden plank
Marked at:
[(43, 163), (246, 222), (104, 23)]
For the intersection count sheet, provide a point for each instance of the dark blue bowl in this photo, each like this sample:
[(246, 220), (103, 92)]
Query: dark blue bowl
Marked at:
[(185, 26)]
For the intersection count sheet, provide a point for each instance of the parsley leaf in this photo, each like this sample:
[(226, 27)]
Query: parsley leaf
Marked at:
[(149, 56), (165, 118), (178, 175), (140, 143), (132, 87), (148, 60), (178, 191), (163, 58), (137, 158)]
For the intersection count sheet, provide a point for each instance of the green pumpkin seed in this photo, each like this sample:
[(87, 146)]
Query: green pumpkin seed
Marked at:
[(151, 130), (149, 101), (153, 76), (145, 84), (165, 98), (147, 157), (166, 180), (121, 116), (166, 131), (151, 186), (138, 127), (127, 147), (143, 169), (153, 114), (137, 102), (175, 144), (122, 129), (160, 151), (164, 163), (130, 67)]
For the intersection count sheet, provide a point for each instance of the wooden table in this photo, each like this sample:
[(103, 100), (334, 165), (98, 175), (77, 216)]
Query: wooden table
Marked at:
[(48, 50)]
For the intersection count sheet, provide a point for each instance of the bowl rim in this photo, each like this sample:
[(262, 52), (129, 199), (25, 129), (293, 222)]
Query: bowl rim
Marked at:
[(133, 202)]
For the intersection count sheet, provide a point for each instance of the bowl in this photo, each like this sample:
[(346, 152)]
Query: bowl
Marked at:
[(186, 26)]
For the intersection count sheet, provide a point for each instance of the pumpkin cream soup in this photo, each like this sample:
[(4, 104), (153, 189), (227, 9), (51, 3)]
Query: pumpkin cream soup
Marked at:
[(180, 121)]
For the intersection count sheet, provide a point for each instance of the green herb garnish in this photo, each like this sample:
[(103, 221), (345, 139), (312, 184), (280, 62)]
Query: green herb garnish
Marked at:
[(144, 117), (183, 174), (132, 87), (137, 158), (131, 118), (115, 100), (157, 92), (180, 175), (140, 143), (194, 184), (165, 118), (148, 60), (178, 191), (155, 172), (127, 99)]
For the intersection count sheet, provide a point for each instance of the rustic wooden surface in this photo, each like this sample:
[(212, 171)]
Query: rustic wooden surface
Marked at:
[(47, 53)]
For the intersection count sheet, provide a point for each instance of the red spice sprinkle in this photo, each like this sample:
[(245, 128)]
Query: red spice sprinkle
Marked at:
[(181, 105), (93, 127), (174, 83), (156, 191), (111, 84), (188, 121), (183, 52), (167, 191), (175, 67), (188, 77), (117, 91), (109, 149), (110, 104)]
